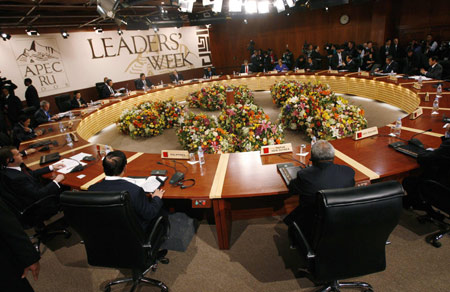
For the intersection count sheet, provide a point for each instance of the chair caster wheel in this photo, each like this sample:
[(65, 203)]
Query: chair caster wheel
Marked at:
[(164, 289), (108, 289), (433, 241)]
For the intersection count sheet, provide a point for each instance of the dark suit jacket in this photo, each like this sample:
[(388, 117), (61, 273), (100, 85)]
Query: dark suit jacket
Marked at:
[(14, 108), (16, 250), (40, 117), (389, 68), (335, 61), (75, 104), (436, 164), (351, 66), (211, 73), (249, 68), (140, 84), (146, 209), (32, 97), (106, 92), (176, 79), (28, 188), (435, 72), (309, 181), (21, 135)]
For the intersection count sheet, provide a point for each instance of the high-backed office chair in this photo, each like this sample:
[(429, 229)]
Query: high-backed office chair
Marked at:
[(136, 84), (438, 196), (99, 86), (351, 230), (33, 216), (112, 235), (63, 102)]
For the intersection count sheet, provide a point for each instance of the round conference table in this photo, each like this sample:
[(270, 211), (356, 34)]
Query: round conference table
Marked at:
[(247, 185)]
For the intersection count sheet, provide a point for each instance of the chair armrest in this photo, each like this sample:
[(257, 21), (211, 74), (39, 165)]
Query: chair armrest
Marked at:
[(28, 208), (153, 233), (309, 252)]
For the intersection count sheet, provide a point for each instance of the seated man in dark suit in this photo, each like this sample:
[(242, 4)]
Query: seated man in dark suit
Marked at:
[(338, 59), (210, 72), (17, 255), (435, 165), (389, 67), (411, 63), (310, 65), (246, 68), (143, 83), (323, 174), (176, 77), (114, 165), (23, 131), (24, 182), (31, 94), (350, 66), (435, 69), (77, 101), (13, 105), (42, 115), (107, 90)]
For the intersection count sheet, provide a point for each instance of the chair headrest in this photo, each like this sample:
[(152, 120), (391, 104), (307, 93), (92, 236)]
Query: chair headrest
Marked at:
[(357, 195), (96, 199)]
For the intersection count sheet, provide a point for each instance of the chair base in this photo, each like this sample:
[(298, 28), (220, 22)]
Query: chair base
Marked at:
[(336, 285), (434, 238), (41, 234), (136, 282)]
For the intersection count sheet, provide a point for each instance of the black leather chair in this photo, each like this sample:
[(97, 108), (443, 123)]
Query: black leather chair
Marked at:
[(34, 215), (112, 235), (436, 195), (63, 102), (99, 86), (350, 234)]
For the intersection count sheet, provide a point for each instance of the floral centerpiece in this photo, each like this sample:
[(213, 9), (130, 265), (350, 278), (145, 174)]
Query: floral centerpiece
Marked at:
[(149, 119), (283, 90), (210, 98), (242, 94), (261, 134), (320, 113)]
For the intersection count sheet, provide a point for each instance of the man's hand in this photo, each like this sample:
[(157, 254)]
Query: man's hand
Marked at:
[(423, 71), (39, 132), (34, 268), (158, 193), (30, 151), (58, 166), (59, 178)]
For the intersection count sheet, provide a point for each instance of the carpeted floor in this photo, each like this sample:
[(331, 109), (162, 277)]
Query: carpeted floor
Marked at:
[(259, 258)]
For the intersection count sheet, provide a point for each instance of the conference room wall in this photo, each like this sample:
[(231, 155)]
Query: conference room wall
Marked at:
[(372, 20)]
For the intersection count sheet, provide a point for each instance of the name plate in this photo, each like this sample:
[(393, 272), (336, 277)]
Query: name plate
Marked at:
[(273, 72), (364, 73), (181, 82), (104, 101), (243, 74), (333, 71), (365, 133), (175, 154), (300, 71), (214, 77), (228, 77), (427, 97), (415, 114), (416, 85), (393, 78), (159, 86), (275, 149)]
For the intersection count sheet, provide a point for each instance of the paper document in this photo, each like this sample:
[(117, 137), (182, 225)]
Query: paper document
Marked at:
[(149, 184), (69, 164)]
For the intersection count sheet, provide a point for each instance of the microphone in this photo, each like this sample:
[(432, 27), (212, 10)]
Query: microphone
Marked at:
[(429, 130), (76, 168), (175, 168)]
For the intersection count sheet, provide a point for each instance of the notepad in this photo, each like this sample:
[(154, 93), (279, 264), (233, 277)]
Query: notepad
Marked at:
[(149, 184)]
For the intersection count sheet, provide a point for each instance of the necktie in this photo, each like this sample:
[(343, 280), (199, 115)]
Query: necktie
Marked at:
[(246, 69)]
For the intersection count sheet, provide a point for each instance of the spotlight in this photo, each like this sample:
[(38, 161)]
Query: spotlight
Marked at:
[(155, 29), (119, 31), (326, 8), (64, 34), (32, 31), (287, 14), (251, 7), (235, 6), (5, 36), (98, 29), (245, 21)]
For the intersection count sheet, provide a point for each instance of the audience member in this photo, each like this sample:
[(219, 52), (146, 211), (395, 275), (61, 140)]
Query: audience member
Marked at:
[(12, 104), (385, 51), (310, 65), (338, 60), (435, 69), (31, 94), (350, 66), (288, 58), (273, 58), (300, 63), (18, 255), (143, 83), (323, 174), (411, 63), (430, 46), (114, 166), (77, 101)]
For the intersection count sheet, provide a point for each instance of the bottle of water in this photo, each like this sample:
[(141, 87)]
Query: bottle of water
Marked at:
[(201, 155), (313, 140), (420, 80), (61, 127), (69, 140), (107, 149), (439, 91), (398, 127), (435, 106), (359, 70)]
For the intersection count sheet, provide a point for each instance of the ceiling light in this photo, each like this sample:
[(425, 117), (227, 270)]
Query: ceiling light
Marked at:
[(107, 8), (279, 4), (5, 36), (251, 7), (98, 30), (245, 21), (263, 7), (64, 34), (119, 31), (235, 6), (217, 7), (32, 31), (326, 8), (155, 29)]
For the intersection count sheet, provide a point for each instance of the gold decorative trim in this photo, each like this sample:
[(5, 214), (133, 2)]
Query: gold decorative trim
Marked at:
[(219, 177), (356, 165)]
